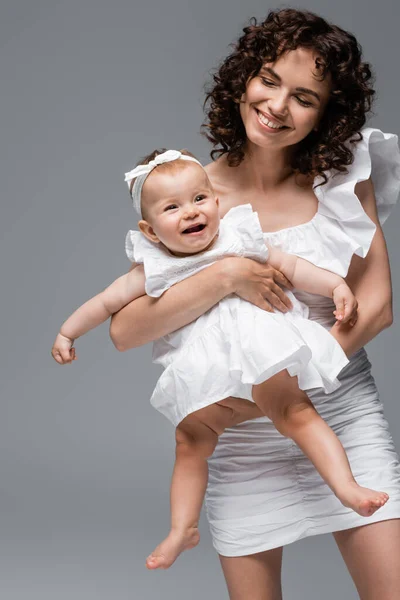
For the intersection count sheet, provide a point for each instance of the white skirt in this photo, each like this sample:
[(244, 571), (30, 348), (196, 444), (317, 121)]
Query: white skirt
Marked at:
[(236, 345), (264, 493)]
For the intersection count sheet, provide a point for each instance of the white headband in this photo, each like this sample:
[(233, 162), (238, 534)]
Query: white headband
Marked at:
[(141, 172)]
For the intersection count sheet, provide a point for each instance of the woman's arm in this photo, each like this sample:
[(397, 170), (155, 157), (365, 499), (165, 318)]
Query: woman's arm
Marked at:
[(147, 319), (370, 280)]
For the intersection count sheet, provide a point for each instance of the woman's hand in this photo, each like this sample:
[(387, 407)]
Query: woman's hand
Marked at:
[(147, 319), (258, 283)]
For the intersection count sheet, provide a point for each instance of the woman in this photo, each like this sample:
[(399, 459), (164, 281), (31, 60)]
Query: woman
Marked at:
[(284, 106)]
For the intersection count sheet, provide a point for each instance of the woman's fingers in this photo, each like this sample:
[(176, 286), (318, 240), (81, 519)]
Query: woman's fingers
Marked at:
[(279, 299), (282, 280), (259, 284), (263, 303), (275, 301)]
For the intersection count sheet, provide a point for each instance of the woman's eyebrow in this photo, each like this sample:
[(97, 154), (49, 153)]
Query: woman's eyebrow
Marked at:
[(298, 89), (307, 91)]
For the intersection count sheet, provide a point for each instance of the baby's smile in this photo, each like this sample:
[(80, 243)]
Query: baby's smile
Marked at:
[(195, 229)]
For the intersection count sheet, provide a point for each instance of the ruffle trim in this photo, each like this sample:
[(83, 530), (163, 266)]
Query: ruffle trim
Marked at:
[(341, 227), (137, 249), (244, 220)]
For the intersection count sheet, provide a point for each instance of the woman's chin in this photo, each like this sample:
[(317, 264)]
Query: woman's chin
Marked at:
[(256, 140)]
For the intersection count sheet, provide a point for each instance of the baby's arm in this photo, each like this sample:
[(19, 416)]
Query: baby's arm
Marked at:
[(309, 278), (95, 311)]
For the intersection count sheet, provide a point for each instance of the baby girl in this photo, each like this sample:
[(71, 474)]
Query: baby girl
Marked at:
[(236, 355)]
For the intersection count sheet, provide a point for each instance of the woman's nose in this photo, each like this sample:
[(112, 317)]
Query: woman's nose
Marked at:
[(278, 104)]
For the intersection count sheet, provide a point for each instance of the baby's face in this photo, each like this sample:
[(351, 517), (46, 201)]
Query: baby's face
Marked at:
[(181, 210)]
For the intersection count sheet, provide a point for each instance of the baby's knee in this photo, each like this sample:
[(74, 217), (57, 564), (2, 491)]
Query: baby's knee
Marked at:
[(195, 438), (292, 415)]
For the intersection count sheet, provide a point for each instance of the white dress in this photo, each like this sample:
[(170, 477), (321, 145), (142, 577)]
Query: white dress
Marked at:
[(262, 491), (235, 344)]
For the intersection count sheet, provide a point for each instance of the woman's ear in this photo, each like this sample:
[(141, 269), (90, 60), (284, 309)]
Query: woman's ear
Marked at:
[(217, 201), (148, 231)]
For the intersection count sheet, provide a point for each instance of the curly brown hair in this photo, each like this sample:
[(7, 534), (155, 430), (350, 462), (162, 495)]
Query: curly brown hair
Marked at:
[(339, 54)]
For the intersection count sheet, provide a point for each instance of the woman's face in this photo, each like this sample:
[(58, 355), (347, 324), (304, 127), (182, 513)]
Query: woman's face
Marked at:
[(285, 101)]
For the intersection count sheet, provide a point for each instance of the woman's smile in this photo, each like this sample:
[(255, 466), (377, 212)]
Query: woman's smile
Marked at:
[(285, 96), (268, 123)]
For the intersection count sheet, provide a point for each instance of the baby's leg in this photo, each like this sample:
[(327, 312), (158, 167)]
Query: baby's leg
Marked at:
[(295, 417), (196, 438)]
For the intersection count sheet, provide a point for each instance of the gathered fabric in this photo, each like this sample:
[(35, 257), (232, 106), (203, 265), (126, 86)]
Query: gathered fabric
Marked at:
[(263, 492)]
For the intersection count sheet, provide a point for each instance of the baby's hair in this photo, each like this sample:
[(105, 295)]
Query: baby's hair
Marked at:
[(173, 165)]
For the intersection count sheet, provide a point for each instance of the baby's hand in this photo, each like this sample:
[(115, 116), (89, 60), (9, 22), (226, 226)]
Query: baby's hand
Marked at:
[(346, 305), (62, 350)]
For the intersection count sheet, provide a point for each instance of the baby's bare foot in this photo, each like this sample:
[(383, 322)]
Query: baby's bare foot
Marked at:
[(363, 500), (168, 551)]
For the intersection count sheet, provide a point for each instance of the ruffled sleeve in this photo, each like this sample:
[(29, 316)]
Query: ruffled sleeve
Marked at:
[(376, 155), (140, 250), (341, 227), (133, 248), (246, 226)]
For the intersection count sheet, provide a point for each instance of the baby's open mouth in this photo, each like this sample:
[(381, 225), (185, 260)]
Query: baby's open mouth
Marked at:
[(194, 229)]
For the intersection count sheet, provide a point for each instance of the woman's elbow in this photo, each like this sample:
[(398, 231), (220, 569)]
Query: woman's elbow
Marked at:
[(382, 314), (387, 316), (118, 336)]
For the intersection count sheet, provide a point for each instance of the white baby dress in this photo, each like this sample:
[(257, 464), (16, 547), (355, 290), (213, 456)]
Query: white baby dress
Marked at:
[(235, 344)]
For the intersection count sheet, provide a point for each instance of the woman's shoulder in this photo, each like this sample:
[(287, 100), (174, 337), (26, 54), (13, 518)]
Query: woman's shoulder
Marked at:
[(342, 226), (376, 157)]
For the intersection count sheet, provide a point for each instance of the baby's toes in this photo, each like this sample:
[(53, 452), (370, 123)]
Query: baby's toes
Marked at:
[(155, 562), (383, 498)]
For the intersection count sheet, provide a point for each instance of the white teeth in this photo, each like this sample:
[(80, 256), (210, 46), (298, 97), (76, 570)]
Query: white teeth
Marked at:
[(269, 123)]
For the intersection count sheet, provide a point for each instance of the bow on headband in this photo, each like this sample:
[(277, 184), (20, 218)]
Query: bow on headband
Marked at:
[(141, 172)]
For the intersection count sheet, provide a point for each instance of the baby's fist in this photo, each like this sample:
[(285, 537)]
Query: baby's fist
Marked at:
[(62, 350), (346, 305)]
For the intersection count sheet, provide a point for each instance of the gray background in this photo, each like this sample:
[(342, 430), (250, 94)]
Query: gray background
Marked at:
[(86, 88)]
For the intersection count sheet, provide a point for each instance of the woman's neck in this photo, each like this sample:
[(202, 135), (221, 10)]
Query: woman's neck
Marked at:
[(265, 168)]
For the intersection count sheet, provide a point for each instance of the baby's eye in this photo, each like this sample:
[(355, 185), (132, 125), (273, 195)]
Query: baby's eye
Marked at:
[(199, 198), (170, 207)]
